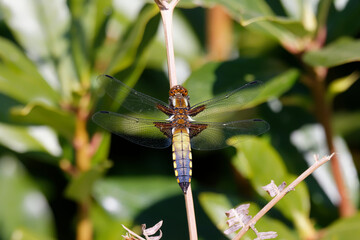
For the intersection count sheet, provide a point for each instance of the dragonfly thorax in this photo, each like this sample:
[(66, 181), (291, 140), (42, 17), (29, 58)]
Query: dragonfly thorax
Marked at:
[(178, 97)]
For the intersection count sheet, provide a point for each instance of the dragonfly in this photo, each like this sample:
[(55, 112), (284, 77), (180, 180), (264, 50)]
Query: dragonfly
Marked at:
[(156, 124)]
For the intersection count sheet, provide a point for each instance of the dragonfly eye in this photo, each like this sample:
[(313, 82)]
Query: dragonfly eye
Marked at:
[(178, 90)]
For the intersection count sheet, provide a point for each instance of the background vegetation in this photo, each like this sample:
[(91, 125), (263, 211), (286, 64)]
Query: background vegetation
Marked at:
[(61, 176)]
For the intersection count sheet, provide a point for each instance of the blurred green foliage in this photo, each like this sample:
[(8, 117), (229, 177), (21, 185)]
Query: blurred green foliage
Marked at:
[(50, 55)]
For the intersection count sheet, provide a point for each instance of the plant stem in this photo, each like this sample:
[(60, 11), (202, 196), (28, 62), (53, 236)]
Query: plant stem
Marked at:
[(84, 230), (323, 113), (315, 80), (219, 33), (167, 10), (278, 197), (189, 203)]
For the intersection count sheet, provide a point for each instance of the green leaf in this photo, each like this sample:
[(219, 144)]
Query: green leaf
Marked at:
[(346, 123), (88, 31), (20, 79), (125, 197), (62, 122), (258, 16), (81, 187), (343, 20), (7, 103), (90, 16), (136, 40), (105, 226), (246, 11), (303, 11), (130, 76), (186, 45), (51, 21), (103, 150), (215, 205), (214, 78), (346, 228), (341, 85), (343, 50), (259, 162), (277, 86), (29, 139), (42, 31), (28, 234), (22, 205)]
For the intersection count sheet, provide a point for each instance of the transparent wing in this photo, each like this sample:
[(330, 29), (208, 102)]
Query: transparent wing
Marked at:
[(215, 135), (137, 130), (130, 99), (233, 101)]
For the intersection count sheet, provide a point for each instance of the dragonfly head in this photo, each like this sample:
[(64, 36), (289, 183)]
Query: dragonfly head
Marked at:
[(176, 90), (178, 97)]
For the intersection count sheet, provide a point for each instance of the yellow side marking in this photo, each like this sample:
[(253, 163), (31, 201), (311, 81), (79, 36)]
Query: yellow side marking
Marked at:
[(190, 172), (190, 155), (173, 148), (178, 180), (174, 156), (176, 173), (175, 166), (190, 164)]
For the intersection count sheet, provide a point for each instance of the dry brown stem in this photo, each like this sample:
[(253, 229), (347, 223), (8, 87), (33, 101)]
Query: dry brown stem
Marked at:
[(323, 113), (278, 197), (190, 212), (219, 33), (166, 10)]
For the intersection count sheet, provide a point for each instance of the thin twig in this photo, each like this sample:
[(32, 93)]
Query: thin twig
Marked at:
[(132, 233), (276, 199), (323, 112), (166, 10), (189, 203)]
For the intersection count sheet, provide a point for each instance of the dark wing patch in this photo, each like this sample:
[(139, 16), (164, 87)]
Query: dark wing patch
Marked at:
[(195, 129), (165, 128)]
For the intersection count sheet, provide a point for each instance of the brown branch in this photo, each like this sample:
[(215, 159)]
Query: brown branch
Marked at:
[(81, 137), (323, 114), (281, 194), (189, 203), (84, 228), (166, 10), (219, 33), (314, 78)]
